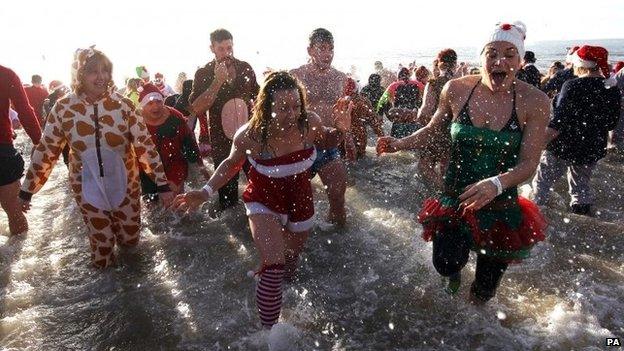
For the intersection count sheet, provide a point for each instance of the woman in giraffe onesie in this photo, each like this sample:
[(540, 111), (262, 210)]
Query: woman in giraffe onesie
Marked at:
[(107, 142)]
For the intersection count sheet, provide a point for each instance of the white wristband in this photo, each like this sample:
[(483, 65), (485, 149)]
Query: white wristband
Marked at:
[(499, 186), (208, 190)]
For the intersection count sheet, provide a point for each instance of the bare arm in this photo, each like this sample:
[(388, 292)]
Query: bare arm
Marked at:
[(436, 128), (204, 101), (226, 170), (233, 164), (428, 107), (374, 121)]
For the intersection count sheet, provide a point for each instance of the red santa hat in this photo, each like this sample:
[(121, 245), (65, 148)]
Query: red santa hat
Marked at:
[(592, 56), (513, 33), (570, 55), (149, 92)]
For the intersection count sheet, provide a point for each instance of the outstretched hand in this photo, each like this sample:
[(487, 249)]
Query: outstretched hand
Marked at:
[(387, 144), (341, 114), (189, 202)]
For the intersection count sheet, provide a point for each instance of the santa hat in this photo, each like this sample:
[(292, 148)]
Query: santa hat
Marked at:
[(513, 33), (142, 72), (149, 92), (591, 56)]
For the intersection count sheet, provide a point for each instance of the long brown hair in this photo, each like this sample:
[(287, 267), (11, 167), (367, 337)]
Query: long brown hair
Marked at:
[(261, 117)]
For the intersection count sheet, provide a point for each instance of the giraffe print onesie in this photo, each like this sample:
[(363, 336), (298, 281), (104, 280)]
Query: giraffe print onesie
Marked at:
[(107, 140)]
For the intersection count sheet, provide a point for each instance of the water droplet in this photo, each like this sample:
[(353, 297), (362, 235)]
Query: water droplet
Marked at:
[(566, 220), (501, 315), (391, 326)]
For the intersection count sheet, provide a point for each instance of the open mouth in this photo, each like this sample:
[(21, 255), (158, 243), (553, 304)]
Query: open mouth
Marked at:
[(498, 77)]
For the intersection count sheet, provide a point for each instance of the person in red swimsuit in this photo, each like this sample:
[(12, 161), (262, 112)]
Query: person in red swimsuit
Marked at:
[(174, 141), (279, 143)]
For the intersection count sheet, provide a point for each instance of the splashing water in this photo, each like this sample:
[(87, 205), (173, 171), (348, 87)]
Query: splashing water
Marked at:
[(370, 286)]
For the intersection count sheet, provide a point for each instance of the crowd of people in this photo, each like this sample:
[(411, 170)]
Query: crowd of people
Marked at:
[(479, 133)]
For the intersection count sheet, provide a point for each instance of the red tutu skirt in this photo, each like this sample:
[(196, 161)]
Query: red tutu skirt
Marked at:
[(499, 238)]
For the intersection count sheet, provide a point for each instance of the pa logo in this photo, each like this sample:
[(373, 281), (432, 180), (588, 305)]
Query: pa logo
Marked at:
[(613, 342)]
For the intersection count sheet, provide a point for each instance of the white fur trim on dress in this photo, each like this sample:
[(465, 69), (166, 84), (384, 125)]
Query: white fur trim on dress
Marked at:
[(302, 226), (282, 171), (253, 208)]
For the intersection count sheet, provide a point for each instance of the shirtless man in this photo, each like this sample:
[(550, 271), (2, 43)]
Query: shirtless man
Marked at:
[(324, 85)]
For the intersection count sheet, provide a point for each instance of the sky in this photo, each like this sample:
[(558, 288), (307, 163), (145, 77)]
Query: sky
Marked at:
[(173, 36)]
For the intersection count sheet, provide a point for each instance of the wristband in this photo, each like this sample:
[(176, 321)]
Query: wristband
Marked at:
[(499, 186), (208, 190)]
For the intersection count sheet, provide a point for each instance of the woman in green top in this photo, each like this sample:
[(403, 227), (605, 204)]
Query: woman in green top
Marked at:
[(497, 128)]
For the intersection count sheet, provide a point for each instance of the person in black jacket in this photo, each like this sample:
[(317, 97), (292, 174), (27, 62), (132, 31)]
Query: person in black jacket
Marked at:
[(373, 91), (529, 73), (584, 112)]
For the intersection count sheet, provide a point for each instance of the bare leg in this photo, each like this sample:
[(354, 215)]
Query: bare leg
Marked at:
[(334, 177), (294, 243), (268, 235), (8, 199)]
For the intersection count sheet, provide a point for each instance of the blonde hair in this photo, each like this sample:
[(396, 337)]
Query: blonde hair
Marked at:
[(581, 71)]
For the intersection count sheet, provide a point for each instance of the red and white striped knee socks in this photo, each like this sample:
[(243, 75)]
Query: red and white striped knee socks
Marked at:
[(269, 294)]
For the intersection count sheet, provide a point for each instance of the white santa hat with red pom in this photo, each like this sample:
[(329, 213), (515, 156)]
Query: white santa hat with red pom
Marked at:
[(513, 33)]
